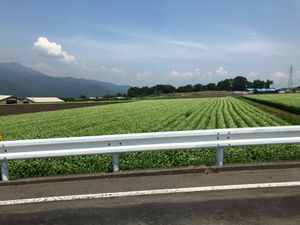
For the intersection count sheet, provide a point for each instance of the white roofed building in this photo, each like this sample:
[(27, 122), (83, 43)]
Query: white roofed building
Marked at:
[(42, 100), (9, 99)]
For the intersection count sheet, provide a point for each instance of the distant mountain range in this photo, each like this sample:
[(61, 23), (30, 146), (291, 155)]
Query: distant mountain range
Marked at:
[(16, 79)]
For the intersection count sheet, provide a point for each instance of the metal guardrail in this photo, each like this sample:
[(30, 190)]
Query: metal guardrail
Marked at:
[(124, 143)]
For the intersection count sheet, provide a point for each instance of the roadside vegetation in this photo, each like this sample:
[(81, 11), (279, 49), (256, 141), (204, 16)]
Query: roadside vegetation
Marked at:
[(142, 116)]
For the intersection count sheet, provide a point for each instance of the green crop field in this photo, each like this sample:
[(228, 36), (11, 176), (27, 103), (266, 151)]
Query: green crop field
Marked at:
[(142, 116), (288, 102)]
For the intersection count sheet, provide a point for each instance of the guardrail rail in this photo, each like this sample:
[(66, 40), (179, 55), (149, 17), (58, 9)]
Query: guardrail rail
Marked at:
[(158, 141)]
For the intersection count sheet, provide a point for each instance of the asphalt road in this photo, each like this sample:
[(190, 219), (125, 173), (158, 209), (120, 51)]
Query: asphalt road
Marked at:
[(275, 205)]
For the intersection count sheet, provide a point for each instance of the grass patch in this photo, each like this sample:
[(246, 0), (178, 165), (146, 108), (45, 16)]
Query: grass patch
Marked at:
[(291, 118), (287, 102)]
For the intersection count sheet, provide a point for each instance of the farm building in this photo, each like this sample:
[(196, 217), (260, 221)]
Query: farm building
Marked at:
[(261, 90), (9, 99), (265, 90), (42, 100)]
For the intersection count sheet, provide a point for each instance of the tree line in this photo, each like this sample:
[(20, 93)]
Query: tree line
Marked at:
[(238, 83)]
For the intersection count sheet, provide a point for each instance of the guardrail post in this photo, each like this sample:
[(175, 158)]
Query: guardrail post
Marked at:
[(220, 156), (4, 170), (116, 161)]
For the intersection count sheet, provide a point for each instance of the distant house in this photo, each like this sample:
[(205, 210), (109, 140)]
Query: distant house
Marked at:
[(282, 90), (250, 90), (42, 100), (120, 98), (9, 99)]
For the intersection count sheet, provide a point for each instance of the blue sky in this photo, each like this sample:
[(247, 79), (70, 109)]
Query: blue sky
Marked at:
[(140, 42)]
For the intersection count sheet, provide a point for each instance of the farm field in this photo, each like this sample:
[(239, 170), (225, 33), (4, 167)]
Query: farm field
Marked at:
[(288, 102), (30, 108), (142, 116)]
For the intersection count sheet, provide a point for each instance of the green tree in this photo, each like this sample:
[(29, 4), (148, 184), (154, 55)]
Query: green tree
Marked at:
[(258, 84), (211, 86), (239, 83), (83, 97), (225, 85), (186, 88), (269, 83), (198, 87)]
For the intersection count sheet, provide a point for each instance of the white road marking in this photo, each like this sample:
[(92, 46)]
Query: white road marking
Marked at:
[(148, 192)]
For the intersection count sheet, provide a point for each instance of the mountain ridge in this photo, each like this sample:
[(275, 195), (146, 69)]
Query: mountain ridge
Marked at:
[(16, 79)]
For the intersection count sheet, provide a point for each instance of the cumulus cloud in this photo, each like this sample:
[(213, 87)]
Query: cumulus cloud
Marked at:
[(221, 71), (52, 49)]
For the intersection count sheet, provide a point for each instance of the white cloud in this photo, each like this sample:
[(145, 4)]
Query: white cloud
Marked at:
[(43, 67), (116, 71), (279, 78), (103, 68), (279, 75), (187, 74), (174, 73), (196, 45), (221, 71), (252, 75), (143, 75), (254, 46), (192, 77), (249, 44), (197, 70), (177, 57), (113, 70), (52, 49)]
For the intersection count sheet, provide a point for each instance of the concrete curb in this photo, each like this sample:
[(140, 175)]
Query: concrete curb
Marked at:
[(153, 172)]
